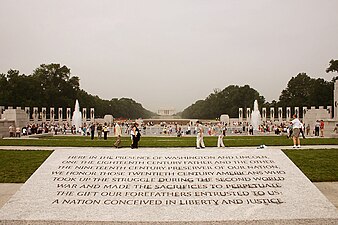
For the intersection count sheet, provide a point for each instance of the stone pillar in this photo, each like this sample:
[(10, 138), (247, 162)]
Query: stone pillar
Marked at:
[(44, 114), (329, 110), (35, 114), (240, 115), (18, 107), (84, 115), (248, 115), (92, 115), (280, 114), (297, 111), (51, 114), (335, 100), (2, 109), (68, 115), (28, 113), (60, 115), (272, 114), (264, 114), (10, 107), (288, 113), (304, 111)]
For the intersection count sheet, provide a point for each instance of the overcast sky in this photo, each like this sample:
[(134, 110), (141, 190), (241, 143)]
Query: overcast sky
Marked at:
[(171, 53)]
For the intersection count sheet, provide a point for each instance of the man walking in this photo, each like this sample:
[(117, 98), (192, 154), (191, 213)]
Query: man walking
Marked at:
[(118, 134), (296, 126), (199, 138)]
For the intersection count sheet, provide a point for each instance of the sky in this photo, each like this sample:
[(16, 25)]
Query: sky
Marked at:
[(171, 53)]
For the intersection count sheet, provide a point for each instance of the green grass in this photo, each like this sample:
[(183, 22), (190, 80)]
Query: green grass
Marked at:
[(318, 165), (146, 141), (18, 166)]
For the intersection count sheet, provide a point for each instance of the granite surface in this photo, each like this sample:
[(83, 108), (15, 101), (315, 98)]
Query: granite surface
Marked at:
[(168, 186)]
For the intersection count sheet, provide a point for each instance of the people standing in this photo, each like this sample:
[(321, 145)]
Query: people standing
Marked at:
[(251, 130), (17, 132), (308, 129), (105, 131), (92, 131), (336, 129), (118, 134), (11, 131), (99, 130), (200, 131), (317, 128), (221, 133), (135, 135), (296, 126), (321, 126)]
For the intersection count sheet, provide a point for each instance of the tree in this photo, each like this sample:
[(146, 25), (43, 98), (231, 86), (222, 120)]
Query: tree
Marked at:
[(303, 90), (53, 86), (333, 68), (57, 88), (226, 101)]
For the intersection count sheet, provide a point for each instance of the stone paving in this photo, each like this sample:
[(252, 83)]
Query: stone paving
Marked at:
[(329, 189)]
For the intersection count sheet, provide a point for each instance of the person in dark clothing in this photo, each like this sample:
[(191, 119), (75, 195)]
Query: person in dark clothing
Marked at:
[(92, 131), (105, 131), (135, 135)]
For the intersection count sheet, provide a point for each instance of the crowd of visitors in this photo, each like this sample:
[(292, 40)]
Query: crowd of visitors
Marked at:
[(135, 130)]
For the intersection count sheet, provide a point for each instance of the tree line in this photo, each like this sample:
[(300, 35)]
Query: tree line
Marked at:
[(52, 85), (301, 90)]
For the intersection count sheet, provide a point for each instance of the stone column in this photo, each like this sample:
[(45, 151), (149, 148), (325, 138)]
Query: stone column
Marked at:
[(240, 115), (35, 114), (304, 111), (84, 115), (10, 107), (297, 111), (272, 114), (329, 110), (44, 114), (264, 114), (335, 100), (28, 113), (2, 109), (288, 113), (68, 115), (92, 115), (280, 114), (51, 114), (18, 107), (248, 115), (60, 115)]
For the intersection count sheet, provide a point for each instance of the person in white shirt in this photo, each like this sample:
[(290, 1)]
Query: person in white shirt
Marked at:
[(296, 126), (220, 132), (118, 134), (199, 138)]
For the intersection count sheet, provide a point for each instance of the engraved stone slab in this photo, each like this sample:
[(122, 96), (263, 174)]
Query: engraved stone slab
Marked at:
[(168, 185)]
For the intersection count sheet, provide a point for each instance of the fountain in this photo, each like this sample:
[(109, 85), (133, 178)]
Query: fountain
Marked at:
[(77, 116), (255, 117)]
